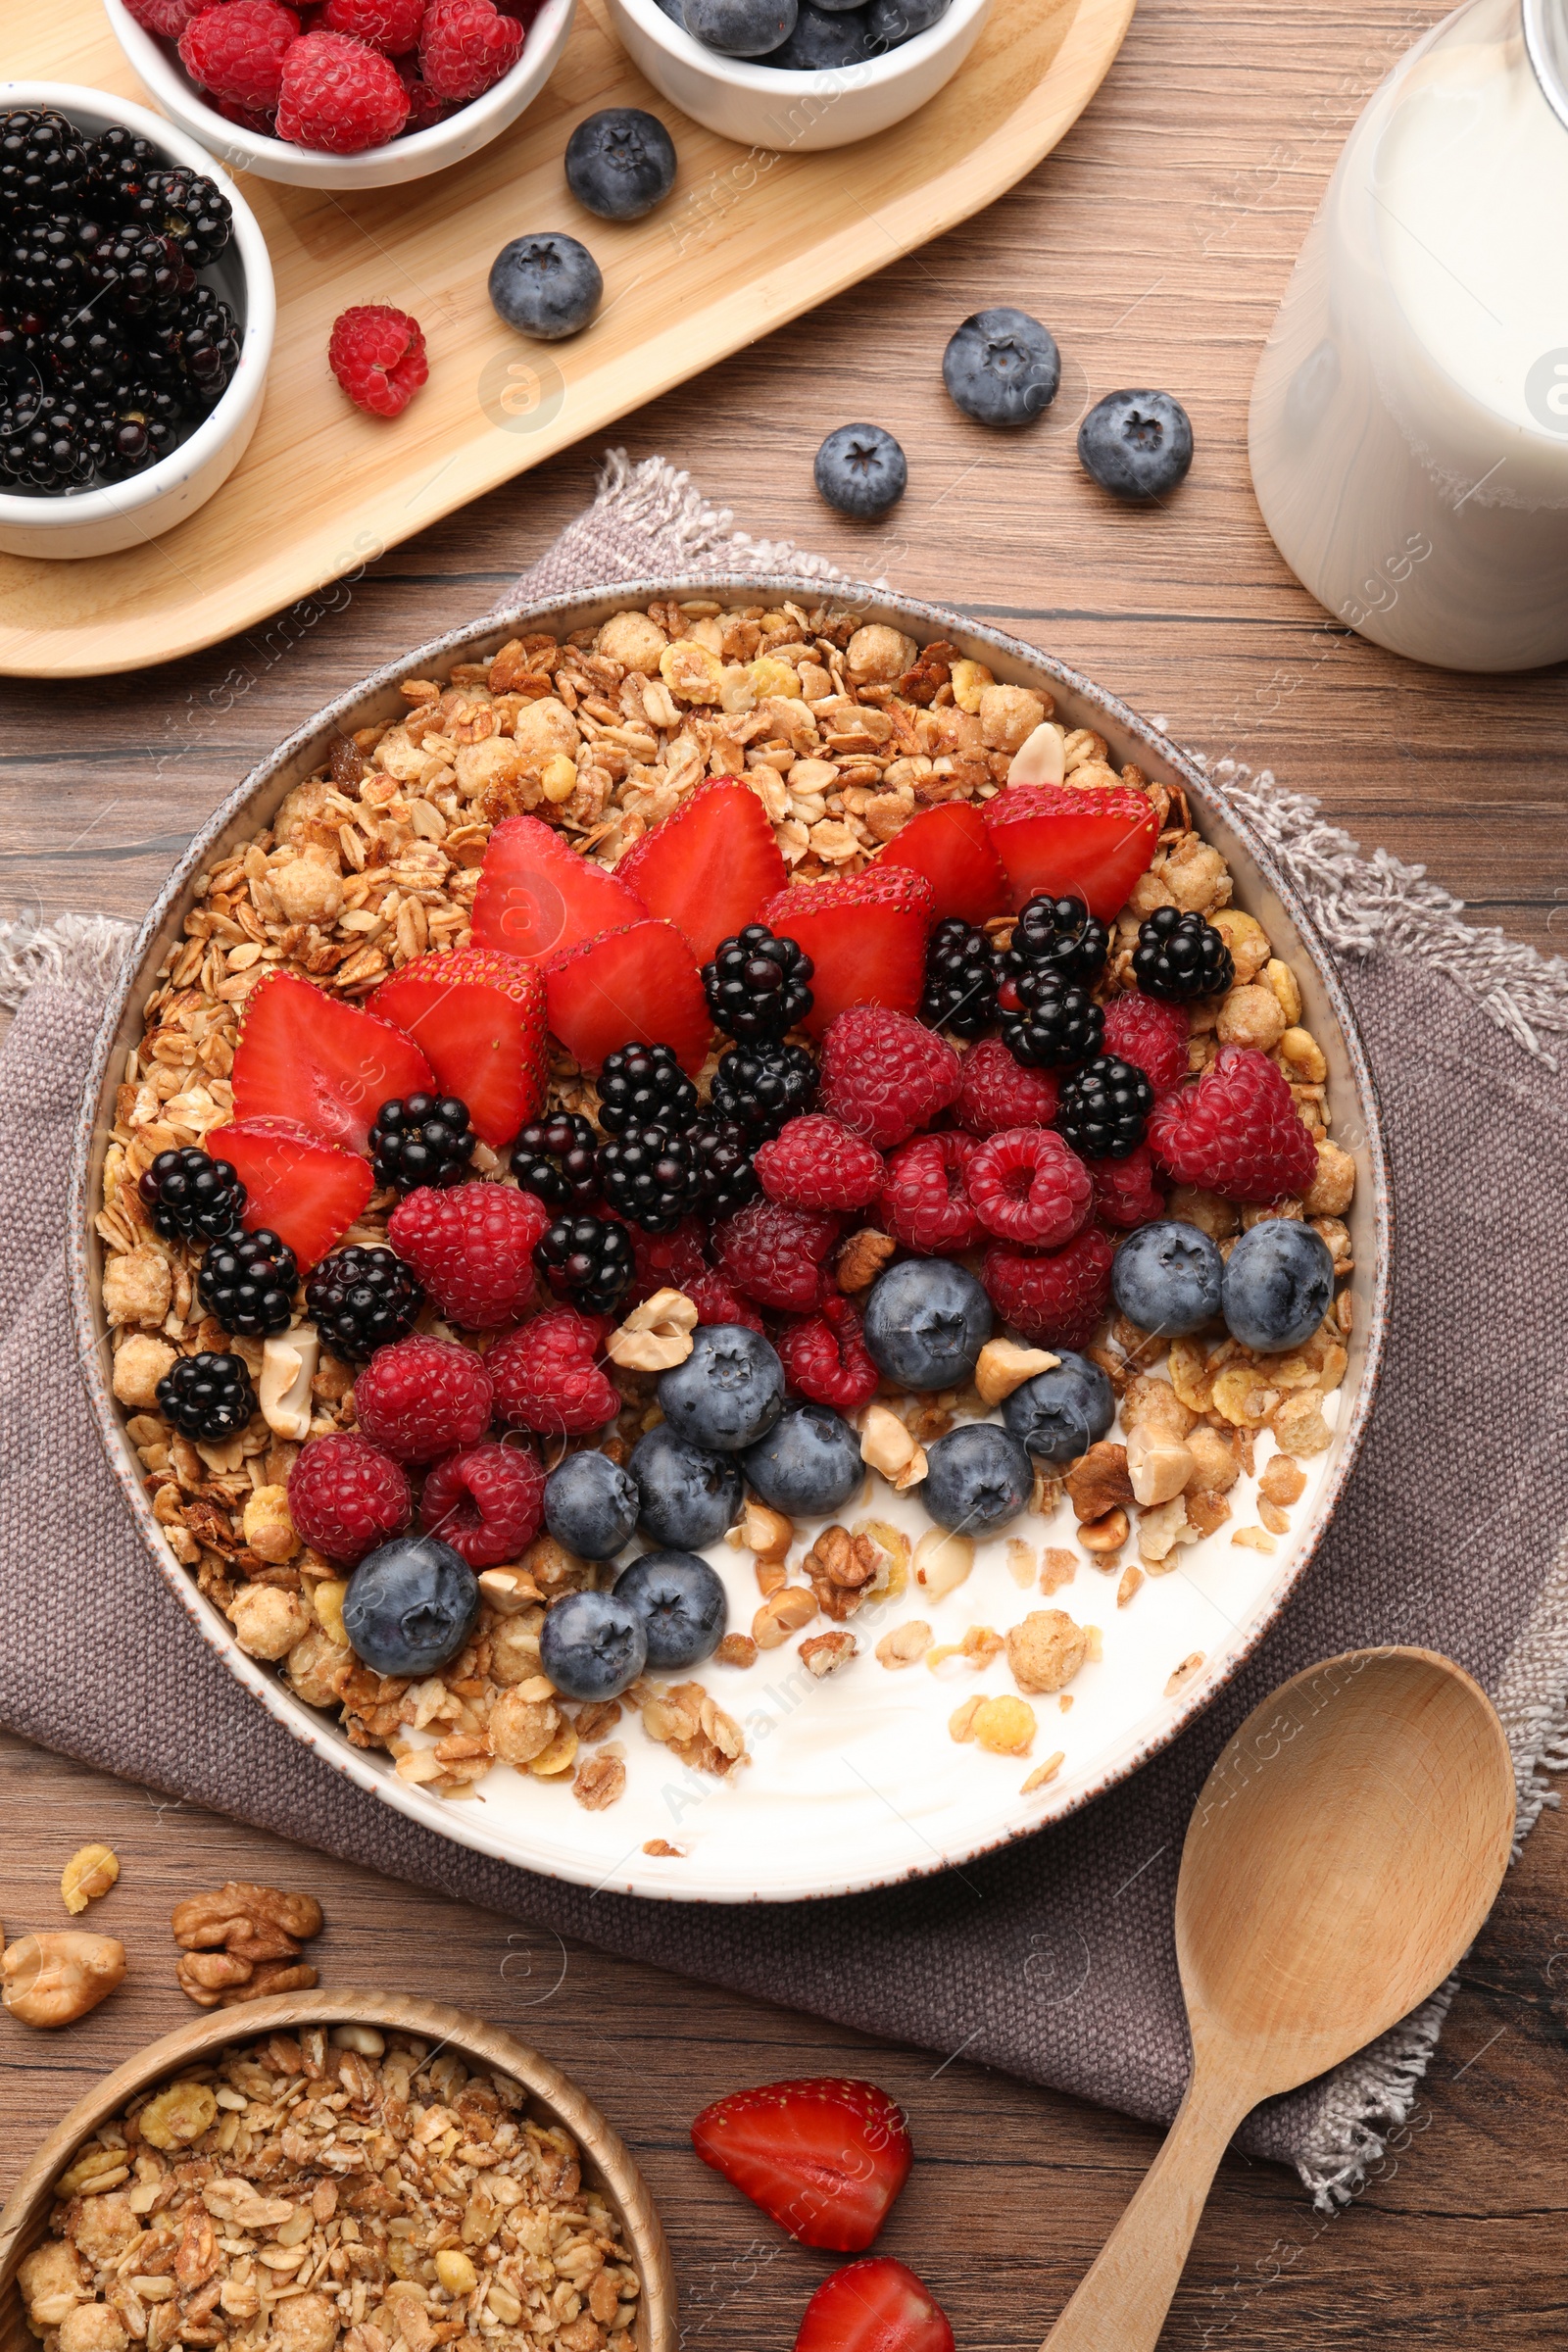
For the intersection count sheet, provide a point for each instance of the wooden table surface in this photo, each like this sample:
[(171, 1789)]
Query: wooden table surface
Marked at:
[(1156, 243)]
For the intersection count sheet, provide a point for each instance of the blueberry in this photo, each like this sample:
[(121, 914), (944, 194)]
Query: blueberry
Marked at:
[(979, 1477), (810, 1462), (1060, 1414), (890, 23), (545, 286), (926, 1322), (728, 1392), (1166, 1278), (591, 1505), (741, 28), (824, 40), (621, 163), (411, 1605), (1002, 367), (593, 1645), (688, 1497), (861, 470), (1279, 1284), (1136, 444), (681, 1605)]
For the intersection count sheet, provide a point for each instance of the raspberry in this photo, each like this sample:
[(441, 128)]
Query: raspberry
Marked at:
[(775, 1254), (465, 46), (998, 1092), (815, 1164), (1125, 1192), (238, 51), (546, 1377), (345, 1495), (377, 355), (390, 25), (338, 95), (884, 1074), (925, 1202), (473, 1248), (667, 1261), (166, 17), (421, 1397), (1028, 1187), (825, 1358), (1141, 1029), (716, 1302), (1056, 1301), (1237, 1131), (486, 1501)]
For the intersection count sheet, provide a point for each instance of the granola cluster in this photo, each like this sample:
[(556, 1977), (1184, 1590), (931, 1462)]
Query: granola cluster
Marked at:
[(325, 2188), (845, 731)]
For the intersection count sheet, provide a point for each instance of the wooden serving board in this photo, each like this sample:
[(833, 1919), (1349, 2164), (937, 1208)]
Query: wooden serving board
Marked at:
[(746, 242)]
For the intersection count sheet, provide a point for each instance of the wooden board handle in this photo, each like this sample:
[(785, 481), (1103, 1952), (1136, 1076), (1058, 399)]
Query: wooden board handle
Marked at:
[(1122, 2303)]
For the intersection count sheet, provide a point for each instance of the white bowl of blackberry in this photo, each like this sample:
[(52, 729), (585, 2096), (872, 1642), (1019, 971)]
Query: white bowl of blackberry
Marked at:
[(136, 323)]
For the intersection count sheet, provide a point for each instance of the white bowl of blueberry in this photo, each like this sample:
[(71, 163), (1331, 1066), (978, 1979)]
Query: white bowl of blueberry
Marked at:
[(136, 322), (798, 74)]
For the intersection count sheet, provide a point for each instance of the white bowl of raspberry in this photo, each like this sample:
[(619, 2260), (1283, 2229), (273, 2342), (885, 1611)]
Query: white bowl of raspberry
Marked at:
[(371, 128)]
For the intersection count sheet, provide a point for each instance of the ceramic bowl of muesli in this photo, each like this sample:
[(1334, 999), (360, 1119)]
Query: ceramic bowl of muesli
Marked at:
[(716, 1209), (203, 2135)]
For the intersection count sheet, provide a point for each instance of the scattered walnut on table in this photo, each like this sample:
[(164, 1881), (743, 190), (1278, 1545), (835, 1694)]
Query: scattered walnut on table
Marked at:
[(242, 1942)]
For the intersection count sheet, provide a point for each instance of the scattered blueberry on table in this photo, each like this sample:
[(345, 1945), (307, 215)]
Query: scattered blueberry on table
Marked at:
[(546, 285), (1001, 366), (621, 163), (1136, 445), (861, 470)]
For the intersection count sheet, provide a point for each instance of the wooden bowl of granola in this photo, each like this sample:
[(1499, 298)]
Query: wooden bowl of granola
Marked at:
[(476, 2125), (821, 1772)]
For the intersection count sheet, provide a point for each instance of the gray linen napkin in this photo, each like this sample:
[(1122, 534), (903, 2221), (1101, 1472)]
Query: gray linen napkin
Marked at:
[(1054, 1958)]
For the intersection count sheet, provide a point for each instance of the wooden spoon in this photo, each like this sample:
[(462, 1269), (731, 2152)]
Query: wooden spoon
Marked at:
[(1345, 1850)]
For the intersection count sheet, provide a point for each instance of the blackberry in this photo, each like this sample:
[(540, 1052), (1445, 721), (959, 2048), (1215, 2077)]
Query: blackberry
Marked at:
[(558, 1158), (1047, 1023), (645, 1086), (425, 1139), (188, 207), (652, 1175), (1104, 1109), (42, 163), (588, 1261), (194, 1195), (207, 1395), (248, 1283), (91, 364), (960, 979), (362, 1299), (139, 275), (46, 268), (50, 442), (119, 166), (197, 353), (758, 986), (24, 349), (764, 1086), (1180, 956), (724, 1158), (1057, 935)]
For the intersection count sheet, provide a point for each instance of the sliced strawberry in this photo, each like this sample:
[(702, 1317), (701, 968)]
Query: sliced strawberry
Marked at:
[(876, 2306), (707, 869), (635, 986), (866, 936), (1091, 844), (951, 847), (824, 2157), (479, 1018), (299, 1188), (537, 895), (322, 1065)]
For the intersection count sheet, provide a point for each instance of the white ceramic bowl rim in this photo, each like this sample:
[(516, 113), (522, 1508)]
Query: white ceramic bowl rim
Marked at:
[(241, 145), (744, 73), (840, 1875), (257, 327)]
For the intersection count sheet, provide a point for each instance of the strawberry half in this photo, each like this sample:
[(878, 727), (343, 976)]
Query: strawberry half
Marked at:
[(951, 847), (876, 2306), (1091, 844), (708, 867), (635, 986), (865, 937), (306, 1191), (537, 895), (479, 1018), (824, 2157), (321, 1064)]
